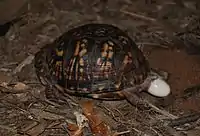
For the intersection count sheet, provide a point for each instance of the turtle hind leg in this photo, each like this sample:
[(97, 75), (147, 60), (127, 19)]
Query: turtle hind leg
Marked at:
[(132, 94)]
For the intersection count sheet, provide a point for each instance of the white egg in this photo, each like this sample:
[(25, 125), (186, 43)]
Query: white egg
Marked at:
[(159, 88)]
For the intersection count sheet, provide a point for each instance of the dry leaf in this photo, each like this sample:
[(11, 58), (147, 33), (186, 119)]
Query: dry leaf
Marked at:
[(98, 126), (73, 130)]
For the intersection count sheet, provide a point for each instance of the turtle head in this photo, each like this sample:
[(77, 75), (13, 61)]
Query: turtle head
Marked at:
[(158, 86)]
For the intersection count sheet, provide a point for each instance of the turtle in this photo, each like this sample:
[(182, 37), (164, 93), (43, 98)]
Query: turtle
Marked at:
[(98, 61)]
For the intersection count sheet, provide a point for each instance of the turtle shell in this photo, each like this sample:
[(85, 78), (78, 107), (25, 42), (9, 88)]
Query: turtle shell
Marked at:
[(91, 60)]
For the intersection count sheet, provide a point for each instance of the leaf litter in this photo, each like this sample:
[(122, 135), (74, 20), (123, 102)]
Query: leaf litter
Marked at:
[(154, 25)]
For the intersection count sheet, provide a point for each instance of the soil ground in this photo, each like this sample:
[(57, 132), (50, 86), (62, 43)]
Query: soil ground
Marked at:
[(167, 32)]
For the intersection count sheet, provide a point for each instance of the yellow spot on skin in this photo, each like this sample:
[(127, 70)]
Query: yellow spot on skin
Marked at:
[(110, 48), (59, 53), (82, 52), (81, 62)]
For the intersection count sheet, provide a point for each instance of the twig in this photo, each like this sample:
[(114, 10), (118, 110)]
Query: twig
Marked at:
[(121, 133), (163, 112), (38, 24), (152, 44), (8, 64), (138, 16), (5, 70), (140, 132), (184, 120), (155, 131), (25, 62), (189, 126), (168, 27), (110, 113)]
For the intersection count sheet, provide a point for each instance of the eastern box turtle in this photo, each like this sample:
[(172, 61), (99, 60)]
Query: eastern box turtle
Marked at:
[(98, 61)]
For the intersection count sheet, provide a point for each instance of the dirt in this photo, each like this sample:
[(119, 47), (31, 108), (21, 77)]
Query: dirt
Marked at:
[(168, 38), (184, 71)]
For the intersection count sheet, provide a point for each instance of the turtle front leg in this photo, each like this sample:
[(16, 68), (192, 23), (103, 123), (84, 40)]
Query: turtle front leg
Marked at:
[(132, 93), (152, 84)]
